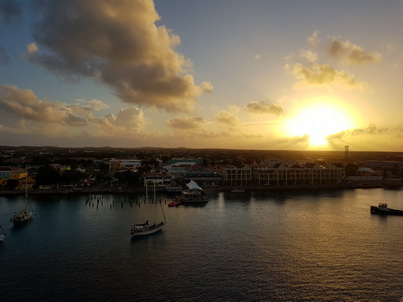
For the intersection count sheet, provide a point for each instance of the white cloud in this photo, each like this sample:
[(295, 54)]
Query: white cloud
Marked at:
[(119, 45)]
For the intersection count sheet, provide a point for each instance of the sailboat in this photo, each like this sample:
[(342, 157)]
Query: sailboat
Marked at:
[(2, 236), (144, 229), (24, 215)]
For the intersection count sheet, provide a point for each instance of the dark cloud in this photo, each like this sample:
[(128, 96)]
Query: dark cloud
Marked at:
[(10, 11), (227, 118), (264, 108), (323, 75), (372, 129), (117, 43), (185, 122), (349, 53)]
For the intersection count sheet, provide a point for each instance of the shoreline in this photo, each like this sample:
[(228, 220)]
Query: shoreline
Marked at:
[(141, 190)]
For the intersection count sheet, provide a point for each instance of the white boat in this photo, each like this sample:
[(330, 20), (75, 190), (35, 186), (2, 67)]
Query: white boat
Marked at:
[(193, 195), (22, 216), (2, 236), (144, 229)]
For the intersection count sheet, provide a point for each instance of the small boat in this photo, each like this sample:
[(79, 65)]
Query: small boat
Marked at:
[(23, 216), (193, 195), (174, 203), (2, 236), (382, 209), (143, 229)]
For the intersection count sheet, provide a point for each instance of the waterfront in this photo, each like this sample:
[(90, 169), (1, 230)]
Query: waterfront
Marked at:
[(290, 246)]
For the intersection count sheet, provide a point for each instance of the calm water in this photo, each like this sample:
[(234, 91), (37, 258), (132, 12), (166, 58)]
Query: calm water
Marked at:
[(305, 246)]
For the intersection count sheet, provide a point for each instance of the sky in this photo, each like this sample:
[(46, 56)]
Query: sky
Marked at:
[(256, 75)]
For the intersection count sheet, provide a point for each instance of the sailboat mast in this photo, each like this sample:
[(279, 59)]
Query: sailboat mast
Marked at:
[(146, 190), (154, 192), (26, 187)]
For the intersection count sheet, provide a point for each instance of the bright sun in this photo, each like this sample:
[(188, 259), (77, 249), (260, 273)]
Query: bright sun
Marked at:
[(318, 122)]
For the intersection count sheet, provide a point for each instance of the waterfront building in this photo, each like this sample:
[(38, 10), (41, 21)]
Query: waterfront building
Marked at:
[(9, 172), (235, 176), (283, 174), (156, 178), (210, 176)]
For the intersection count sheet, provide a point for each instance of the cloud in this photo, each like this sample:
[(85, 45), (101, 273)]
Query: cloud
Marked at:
[(264, 108), (185, 122), (363, 135), (119, 45), (130, 117), (309, 55), (207, 87), (313, 39), (10, 11), (226, 118), (89, 105), (349, 53), (323, 75), (32, 48), (23, 104), (35, 121)]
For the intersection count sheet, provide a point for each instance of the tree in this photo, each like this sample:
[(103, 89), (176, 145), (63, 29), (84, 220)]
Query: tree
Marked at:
[(12, 184), (47, 175), (351, 169)]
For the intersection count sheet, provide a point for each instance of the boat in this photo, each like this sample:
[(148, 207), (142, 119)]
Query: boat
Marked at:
[(144, 229), (382, 209), (193, 194), (174, 203), (173, 187), (2, 236), (24, 215)]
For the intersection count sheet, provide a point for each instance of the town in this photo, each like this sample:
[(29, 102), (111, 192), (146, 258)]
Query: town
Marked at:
[(56, 170)]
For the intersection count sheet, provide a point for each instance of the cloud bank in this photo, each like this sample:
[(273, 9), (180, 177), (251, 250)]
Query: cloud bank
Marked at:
[(118, 44), (312, 73), (264, 108)]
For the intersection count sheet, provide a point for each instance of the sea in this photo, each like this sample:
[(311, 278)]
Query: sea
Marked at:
[(314, 245)]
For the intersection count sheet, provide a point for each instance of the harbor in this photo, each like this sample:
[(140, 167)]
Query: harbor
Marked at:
[(262, 245)]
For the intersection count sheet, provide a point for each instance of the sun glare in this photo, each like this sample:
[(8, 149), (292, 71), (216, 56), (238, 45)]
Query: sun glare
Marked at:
[(318, 122)]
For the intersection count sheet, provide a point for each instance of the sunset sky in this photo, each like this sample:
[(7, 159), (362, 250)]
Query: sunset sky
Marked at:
[(276, 75)]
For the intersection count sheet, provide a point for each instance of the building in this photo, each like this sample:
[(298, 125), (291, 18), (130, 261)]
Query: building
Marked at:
[(157, 179), (210, 176), (119, 165), (233, 176), (8, 172), (285, 174)]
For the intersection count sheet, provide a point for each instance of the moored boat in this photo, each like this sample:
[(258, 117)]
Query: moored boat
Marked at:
[(23, 216), (382, 209), (193, 195), (174, 203), (143, 229)]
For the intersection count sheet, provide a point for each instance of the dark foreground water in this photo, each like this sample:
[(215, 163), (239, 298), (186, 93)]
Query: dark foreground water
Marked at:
[(305, 246)]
